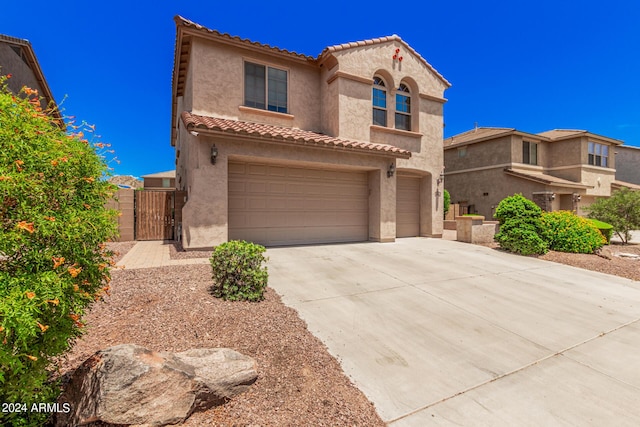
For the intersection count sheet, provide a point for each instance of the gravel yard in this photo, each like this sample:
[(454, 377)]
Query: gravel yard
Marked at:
[(170, 309), (299, 383)]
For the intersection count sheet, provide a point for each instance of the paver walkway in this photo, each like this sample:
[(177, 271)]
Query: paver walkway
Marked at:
[(149, 254)]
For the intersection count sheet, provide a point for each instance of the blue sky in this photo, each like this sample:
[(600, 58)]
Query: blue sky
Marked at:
[(532, 65)]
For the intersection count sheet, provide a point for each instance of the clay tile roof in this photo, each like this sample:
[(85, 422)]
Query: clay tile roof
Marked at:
[(181, 21), (392, 38), (287, 135)]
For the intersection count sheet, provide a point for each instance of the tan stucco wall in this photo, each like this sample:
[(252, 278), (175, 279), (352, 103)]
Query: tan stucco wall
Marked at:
[(482, 154), (627, 163), (599, 178), (205, 215), (217, 77), (470, 187)]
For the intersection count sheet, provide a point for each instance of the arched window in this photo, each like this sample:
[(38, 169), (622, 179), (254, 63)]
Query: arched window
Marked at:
[(379, 102), (403, 108)]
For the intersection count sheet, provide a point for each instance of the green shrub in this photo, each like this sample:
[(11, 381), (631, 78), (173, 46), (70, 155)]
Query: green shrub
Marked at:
[(566, 232), (520, 226), (518, 207), (53, 261), (521, 237), (604, 228), (446, 202), (237, 272)]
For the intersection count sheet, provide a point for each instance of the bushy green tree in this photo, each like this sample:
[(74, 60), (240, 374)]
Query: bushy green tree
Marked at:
[(564, 231), (520, 226), (621, 210), (53, 261)]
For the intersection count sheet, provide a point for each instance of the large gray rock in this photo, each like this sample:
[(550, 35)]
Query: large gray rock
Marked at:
[(131, 385)]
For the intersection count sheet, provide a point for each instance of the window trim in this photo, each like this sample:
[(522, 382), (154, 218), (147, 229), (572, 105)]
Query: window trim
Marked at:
[(595, 156), (406, 93), (532, 148), (266, 66), (379, 85)]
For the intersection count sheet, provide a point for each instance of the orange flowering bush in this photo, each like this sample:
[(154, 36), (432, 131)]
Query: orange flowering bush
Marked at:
[(52, 254)]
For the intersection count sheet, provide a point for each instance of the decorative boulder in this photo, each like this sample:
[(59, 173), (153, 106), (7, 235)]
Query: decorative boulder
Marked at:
[(131, 385)]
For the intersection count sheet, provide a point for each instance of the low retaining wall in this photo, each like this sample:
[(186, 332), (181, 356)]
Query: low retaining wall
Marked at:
[(474, 229)]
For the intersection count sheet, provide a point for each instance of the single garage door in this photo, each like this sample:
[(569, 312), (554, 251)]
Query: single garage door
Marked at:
[(282, 205), (407, 206)]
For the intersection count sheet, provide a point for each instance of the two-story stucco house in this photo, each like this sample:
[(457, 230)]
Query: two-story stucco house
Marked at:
[(557, 169), (282, 148)]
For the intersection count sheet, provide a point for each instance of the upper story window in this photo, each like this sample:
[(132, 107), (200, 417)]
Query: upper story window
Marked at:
[(529, 153), (265, 87), (403, 108), (598, 154), (379, 102)]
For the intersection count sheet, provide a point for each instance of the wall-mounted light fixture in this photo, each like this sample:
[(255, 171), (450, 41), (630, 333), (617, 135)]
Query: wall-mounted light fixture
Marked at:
[(391, 170), (576, 198), (440, 178), (214, 154), (553, 196)]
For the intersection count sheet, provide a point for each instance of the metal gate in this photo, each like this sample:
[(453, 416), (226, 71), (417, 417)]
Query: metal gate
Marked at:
[(155, 215)]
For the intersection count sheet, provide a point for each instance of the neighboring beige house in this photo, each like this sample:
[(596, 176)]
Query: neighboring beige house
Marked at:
[(281, 148), (557, 169), (160, 181), (628, 164), (18, 60)]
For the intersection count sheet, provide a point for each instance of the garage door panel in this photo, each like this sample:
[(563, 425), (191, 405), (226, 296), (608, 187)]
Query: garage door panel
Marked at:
[(256, 169), (407, 207), (237, 204), (290, 205), (277, 188)]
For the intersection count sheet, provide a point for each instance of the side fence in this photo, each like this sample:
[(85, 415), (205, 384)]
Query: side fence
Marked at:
[(123, 202)]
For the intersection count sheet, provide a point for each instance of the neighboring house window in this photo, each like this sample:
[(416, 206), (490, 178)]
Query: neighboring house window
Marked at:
[(265, 87), (403, 108), (166, 182), (379, 102), (598, 155), (529, 153), (462, 152)]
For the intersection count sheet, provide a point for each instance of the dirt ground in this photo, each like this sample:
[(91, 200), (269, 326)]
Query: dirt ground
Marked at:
[(170, 309)]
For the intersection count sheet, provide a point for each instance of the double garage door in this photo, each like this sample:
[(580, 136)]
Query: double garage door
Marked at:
[(282, 205)]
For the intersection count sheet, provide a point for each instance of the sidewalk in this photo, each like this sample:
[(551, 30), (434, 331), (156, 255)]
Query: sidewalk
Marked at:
[(155, 253)]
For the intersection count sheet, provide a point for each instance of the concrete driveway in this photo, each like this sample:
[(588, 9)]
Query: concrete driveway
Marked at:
[(437, 332)]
